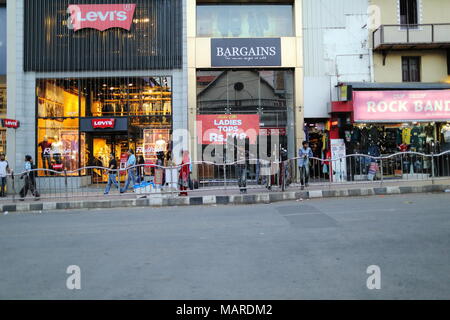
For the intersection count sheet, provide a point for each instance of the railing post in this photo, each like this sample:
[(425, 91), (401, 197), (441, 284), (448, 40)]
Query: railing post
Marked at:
[(432, 168), (225, 175), (13, 185), (65, 183), (381, 171)]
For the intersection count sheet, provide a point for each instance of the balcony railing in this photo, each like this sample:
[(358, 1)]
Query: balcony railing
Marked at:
[(420, 36)]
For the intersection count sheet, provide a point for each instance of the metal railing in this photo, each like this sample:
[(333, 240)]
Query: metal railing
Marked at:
[(437, 33), (209, 178)]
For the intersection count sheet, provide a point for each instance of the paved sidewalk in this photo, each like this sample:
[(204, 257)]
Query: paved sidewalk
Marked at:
[(221, 196)]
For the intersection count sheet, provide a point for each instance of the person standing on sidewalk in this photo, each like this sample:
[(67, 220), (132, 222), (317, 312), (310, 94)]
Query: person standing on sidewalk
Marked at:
[(30, 179), (131, 162), (183, 176), (304, 154), (4, 171), (112, 173)]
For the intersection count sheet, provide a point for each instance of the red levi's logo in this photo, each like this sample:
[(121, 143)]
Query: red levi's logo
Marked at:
[(100, 16), (103, 123), (9, 123)]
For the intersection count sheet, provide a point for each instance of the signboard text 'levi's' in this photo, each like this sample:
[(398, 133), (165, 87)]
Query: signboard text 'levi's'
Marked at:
[(100, 16), (103, 123)]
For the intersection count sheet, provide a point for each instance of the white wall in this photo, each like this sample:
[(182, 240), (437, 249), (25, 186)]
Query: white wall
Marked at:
[(336, 50)]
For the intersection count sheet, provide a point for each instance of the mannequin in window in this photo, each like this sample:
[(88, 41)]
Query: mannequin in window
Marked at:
[(46, 148), (160, 144), (57, 146)]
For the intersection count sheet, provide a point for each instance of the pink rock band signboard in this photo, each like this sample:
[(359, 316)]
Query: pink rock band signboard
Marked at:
[(100, 16), (408, 105)]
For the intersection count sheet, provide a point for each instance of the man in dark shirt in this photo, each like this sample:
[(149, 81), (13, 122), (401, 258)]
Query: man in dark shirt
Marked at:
[(112, 173)]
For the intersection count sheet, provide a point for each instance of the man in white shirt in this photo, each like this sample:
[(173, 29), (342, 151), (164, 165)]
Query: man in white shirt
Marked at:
[(4, 170)]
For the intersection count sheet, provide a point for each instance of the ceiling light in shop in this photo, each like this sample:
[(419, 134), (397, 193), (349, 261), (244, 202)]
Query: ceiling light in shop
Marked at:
[(130, 84)]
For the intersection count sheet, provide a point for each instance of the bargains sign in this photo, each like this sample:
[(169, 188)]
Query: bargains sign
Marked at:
[(100, 16), (215, 129), (401, 105)]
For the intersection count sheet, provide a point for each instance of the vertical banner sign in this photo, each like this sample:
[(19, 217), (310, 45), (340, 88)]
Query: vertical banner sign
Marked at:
[(339, 166), (242, 52), (215, 129)]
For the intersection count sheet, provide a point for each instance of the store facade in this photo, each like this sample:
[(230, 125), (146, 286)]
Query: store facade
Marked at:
[(97, 77), (382, 119), (245, 71)]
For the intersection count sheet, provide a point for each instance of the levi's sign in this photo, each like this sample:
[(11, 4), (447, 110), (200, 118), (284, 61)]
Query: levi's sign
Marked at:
[(100, 16), (401, 105), (10, 123), (103, 123), (241, 52)]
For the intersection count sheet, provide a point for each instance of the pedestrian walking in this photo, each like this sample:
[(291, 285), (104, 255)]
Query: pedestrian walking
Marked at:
[(304, 154), (183, 176), (131, 177), (30, 179), (112, 174), (4, 171), (140, 169)]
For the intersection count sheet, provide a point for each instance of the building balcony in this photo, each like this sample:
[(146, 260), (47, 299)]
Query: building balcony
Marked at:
[(421, 36)]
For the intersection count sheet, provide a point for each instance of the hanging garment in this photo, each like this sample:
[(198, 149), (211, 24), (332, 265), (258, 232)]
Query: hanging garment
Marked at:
[(406, 135)]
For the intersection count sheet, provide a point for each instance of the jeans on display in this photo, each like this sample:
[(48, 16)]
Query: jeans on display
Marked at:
[(111, 180), (304, 175), (131, 178), (46, 161)]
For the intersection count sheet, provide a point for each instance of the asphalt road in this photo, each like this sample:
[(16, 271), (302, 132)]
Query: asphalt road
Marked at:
[(315, 249)]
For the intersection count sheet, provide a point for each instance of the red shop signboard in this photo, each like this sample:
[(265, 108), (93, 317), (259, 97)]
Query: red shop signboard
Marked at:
[(407, 105), (215, 129), (103, 123), (100, 16)]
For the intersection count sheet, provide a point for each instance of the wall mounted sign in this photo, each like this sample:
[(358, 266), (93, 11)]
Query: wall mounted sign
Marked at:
[(100, 16), (411, 105), (103, 124), (9, 123), (246, 52), (215, 129)]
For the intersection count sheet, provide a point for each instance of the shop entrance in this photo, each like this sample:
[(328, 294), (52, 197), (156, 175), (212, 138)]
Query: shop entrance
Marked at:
[(98, 148)]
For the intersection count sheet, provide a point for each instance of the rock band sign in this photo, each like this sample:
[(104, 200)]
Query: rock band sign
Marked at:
[(242, 52)]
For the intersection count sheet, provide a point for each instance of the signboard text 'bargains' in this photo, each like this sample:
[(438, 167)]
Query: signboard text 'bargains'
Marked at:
[(242, 52)]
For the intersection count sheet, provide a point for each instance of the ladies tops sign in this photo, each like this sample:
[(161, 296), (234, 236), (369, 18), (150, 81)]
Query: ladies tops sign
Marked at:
[(215, 129), (100, 16), (401, 105), (241, 52)]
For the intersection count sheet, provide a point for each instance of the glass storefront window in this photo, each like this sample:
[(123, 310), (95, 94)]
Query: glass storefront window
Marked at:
[(269, 94), (67, 139), (58, 98), (240, 21), (119, 97), (58, 144)]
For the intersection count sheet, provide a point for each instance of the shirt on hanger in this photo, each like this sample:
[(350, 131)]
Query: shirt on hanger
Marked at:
[(406, 135)]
